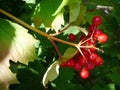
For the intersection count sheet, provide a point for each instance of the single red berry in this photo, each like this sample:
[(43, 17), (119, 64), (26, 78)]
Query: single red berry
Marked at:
[(77, 66), (91, 28), (99, 61), (71, 37), (91, 42), (93, 57), (97, 33), (102, 38), (82, 61), (70, 63), (84, 73), (64, 64), (89, 66), (96, 20), (85, 52)]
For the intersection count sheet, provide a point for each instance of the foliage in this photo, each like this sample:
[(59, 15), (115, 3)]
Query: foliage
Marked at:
[(59, 18)]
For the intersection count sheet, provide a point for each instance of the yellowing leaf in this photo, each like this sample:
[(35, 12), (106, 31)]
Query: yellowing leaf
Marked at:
[(51, 73), (15, 44), (69, 53)]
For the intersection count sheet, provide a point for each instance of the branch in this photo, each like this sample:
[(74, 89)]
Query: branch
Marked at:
[(35, 29)]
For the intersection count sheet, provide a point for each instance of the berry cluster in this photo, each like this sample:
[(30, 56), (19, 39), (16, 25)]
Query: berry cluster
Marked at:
[(87, 58)]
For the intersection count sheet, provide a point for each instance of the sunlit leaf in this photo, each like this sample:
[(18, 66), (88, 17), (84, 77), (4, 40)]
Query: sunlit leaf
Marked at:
[(15, 44), (58, 22), (75, 30), (110, 86), (51, 73), (30, 1)]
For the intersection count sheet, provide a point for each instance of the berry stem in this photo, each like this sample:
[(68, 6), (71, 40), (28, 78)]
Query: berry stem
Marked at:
[(92, 47), (35, 29), (87, 46), (65, 28), (93, 31), (78, 47), (56, 48), (80, 43)]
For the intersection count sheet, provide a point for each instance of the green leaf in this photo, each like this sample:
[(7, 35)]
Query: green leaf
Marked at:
[(51, 16), (63, 81), (75, 30), (14, 66), (110, 86), (44, 12), (96, 87), (51, 73), (76, 86), (115, 75), (29, 76), (74, 6), (15, 44)]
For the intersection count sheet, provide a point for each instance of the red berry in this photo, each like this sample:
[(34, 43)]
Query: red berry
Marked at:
[(84, 73), (71, 37), (99, 61), (91, 28), (85, 52), (70, 63), (102, 38), (92, 49), (97, 33), (82, 61), (97, 20), (93, 57), (91, 42), (63, 64), (77, 66), (89, 66)]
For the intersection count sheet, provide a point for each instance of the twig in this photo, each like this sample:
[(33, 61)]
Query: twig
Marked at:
[(65, 28)]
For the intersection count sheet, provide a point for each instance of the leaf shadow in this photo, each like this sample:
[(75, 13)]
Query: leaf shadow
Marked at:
[(7, 34)]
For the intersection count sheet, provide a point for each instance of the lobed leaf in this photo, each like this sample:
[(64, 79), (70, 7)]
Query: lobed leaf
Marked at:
[(15, 44)]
